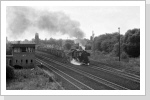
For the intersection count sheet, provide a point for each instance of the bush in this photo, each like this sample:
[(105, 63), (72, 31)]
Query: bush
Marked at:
[(9, 72)]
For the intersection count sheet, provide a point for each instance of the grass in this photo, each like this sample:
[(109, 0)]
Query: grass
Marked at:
[(125, 64), (31, 79)]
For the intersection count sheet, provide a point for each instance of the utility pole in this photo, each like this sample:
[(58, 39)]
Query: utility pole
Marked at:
[(119, 42), (93, 47)]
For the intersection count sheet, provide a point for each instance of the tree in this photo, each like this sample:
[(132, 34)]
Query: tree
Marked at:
[(88, 47), (68, 44), (105, 46), (132, 42), (106, 42), (115, 51)]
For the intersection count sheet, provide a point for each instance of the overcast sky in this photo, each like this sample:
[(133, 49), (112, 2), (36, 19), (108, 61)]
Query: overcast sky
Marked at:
[(69, 21)]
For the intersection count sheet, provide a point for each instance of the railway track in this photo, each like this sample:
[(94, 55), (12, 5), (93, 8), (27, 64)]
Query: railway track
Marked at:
[(87, 75), (73, 83), (117, 72), (113, 71), (127, 71)]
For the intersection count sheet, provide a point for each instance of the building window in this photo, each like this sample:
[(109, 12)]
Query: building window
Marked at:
[(23, 49), (16, 49), (16, 61), (30, 49), (26, 61), (10, 62), (21, 60), (31, 60)]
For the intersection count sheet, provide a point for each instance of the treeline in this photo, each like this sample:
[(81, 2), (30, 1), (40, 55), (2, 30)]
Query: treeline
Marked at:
[(109, 43), (52, 41), (66, 44)]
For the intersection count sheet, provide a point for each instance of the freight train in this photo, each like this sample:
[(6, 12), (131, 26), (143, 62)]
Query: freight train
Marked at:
[(80, 56)]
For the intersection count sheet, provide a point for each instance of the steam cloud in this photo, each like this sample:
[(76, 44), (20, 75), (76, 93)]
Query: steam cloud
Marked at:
[(23, 19)]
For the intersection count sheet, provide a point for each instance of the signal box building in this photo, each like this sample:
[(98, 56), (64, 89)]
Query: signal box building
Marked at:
[(23, 55)]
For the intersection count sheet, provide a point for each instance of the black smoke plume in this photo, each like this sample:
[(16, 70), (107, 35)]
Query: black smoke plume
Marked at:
[(23, 19)]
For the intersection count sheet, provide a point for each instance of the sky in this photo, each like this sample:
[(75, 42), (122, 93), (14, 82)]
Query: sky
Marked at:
[(71, 22)]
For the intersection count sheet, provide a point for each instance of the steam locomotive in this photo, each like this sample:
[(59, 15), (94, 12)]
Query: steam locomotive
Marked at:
[(80, 56)]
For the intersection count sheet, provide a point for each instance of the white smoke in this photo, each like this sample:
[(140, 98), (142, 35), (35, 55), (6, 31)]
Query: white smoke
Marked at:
[(83, 47), (73, 61), (81, 42)]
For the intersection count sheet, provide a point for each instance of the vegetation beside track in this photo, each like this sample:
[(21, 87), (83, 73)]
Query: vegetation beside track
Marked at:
[(31, 79), (131, 65)]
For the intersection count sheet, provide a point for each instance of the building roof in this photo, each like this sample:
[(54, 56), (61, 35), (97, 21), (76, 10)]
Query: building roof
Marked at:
[(23, 45)]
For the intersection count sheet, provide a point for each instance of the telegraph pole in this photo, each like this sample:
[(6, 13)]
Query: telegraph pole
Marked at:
[(119, 42), (93, 47)]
